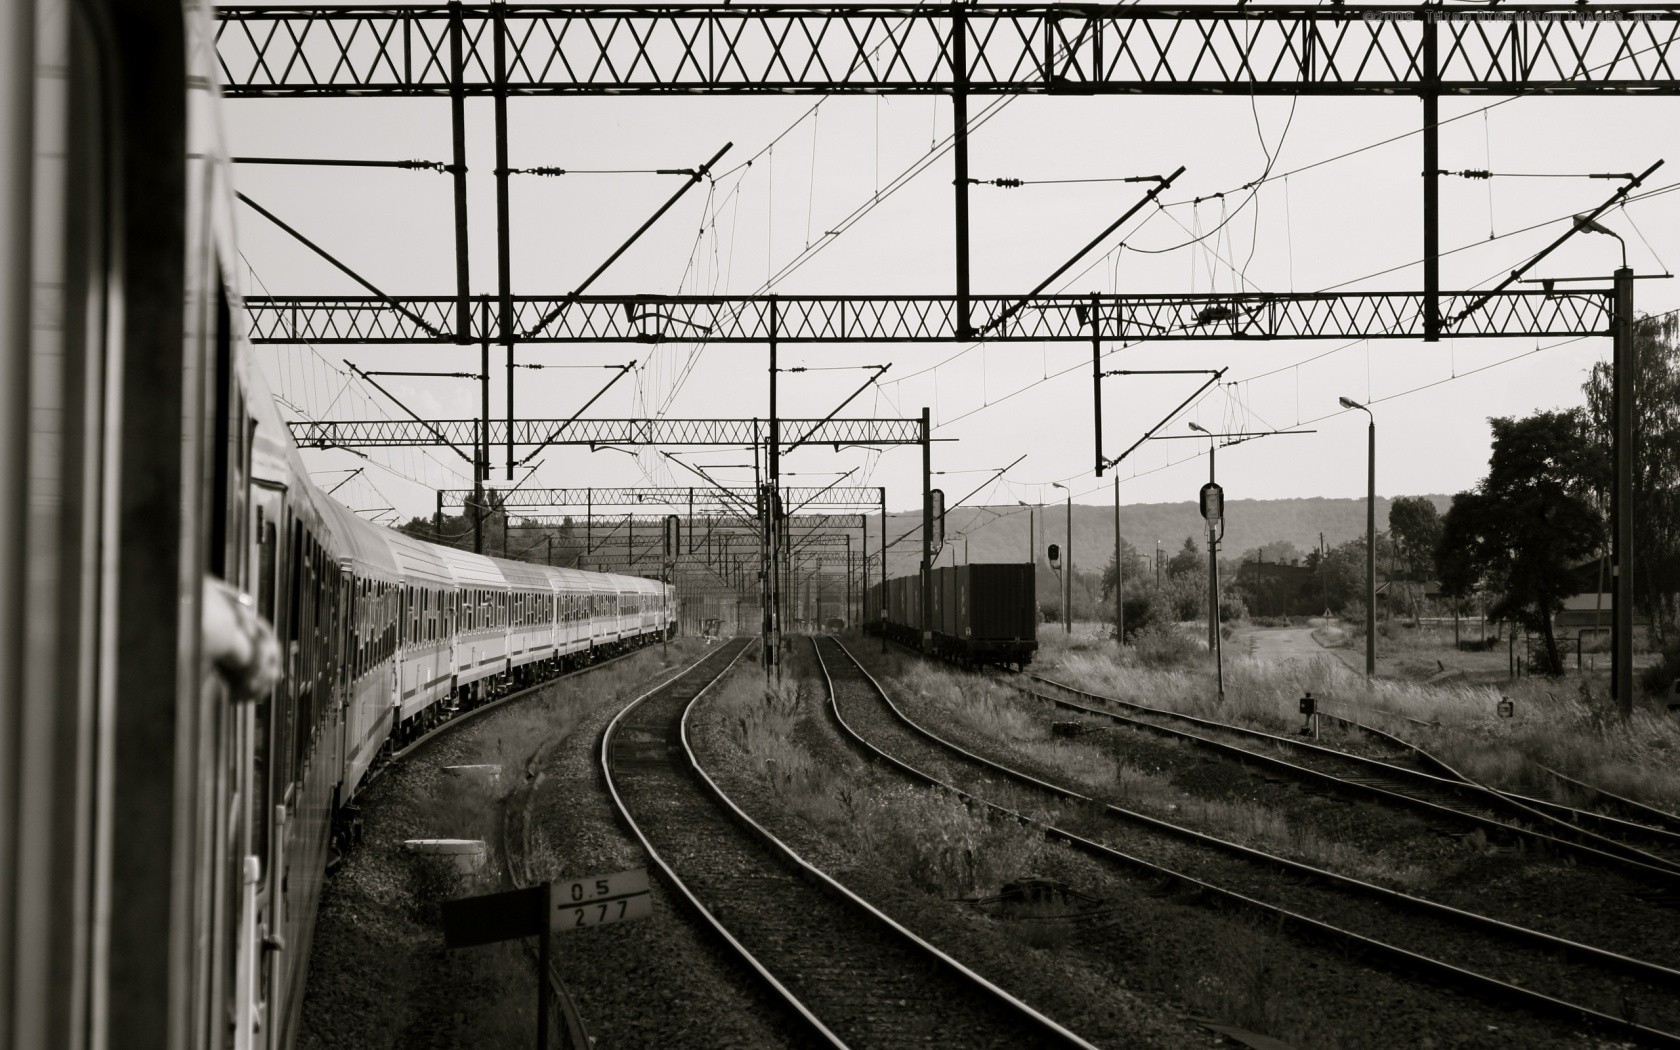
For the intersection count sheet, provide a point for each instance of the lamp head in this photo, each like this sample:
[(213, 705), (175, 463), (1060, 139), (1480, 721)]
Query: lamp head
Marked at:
[(1199, 428), (1058, 485), (1348, 402), (1594, 226)]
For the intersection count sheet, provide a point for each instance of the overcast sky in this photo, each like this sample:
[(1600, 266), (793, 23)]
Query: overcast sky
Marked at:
[(1329, 227)]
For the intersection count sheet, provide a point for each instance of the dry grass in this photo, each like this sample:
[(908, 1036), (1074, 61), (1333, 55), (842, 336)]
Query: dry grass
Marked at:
[(1564, 730), (933, 838), (989, 710)]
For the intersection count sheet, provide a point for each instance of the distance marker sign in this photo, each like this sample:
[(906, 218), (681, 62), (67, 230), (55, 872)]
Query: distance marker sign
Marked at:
[(599, 900)]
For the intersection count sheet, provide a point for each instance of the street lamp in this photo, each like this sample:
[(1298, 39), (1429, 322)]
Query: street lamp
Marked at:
[(1067, 572), (1370, 537), (1594, 226)]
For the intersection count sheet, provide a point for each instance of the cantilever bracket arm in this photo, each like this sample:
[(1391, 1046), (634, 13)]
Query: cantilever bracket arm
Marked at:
[(366, 378), (347, 271), (1160, 187), (1581, 222), (694, 176), (1214, 378), (880, 370), (623, 370)]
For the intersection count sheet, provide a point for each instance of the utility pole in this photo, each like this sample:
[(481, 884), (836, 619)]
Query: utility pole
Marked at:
[(927, 532), (1119, 572), (1621, 497), (773, 612)]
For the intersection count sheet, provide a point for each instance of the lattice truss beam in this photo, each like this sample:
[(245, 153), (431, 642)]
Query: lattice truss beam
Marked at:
[(409, 433), (646, 525), (1013, 48), (702, 497), (932, 318)]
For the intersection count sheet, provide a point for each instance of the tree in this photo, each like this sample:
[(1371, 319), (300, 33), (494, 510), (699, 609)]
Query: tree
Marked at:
[(1414, 526), (1132, 574), (1187, 560), (1530, 521), (1656, 463)]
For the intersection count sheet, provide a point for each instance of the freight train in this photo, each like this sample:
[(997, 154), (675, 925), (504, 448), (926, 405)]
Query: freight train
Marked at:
[(981, 613), (201, 654)]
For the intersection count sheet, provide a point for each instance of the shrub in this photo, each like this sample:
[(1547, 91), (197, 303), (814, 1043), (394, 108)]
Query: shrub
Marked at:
[(1162, 645), (1660, 676)]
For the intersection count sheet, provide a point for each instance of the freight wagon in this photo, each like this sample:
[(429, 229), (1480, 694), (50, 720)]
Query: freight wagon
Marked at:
[(981, 613)]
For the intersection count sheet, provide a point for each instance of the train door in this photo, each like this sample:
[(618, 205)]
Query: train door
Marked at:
[(267, 560)]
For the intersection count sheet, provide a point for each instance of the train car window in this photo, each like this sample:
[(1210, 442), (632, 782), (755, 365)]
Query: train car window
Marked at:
[(221, 507)]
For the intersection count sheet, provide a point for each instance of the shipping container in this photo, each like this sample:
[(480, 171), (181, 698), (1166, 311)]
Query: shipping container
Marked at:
[(980, 614)]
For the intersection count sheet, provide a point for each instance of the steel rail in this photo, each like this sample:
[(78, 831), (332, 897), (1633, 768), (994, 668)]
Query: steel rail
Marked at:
[(1660, 818), (1046, 1029), (1552, 812), (1454, 976), (1610, 852), (810, 1020)]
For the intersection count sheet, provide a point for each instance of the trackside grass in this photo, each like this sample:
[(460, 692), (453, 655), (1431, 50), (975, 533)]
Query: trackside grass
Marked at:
[(932, 837), (981, 708), (1553, 725)]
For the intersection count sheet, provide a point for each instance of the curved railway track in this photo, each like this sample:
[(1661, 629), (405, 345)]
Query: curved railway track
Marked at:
[(1448, 793), (1212, 867), (851, 974)]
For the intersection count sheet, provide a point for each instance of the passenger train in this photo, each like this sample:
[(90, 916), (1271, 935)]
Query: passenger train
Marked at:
[(202, 656)]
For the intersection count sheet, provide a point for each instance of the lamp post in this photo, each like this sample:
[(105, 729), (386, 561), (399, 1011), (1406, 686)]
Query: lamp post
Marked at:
[(1370, 537), (1067, 558), (1621, 490), (1119, 573)]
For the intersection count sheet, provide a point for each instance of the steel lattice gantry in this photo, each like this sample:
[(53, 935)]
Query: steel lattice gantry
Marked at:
[(405, 433), (933, 318), (1011, 48), (710, 498)]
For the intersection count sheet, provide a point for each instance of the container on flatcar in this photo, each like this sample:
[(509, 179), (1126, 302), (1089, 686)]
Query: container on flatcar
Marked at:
[(996, 603)]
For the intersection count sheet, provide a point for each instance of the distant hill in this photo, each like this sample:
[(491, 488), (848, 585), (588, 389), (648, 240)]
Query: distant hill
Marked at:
[(1000, 533)]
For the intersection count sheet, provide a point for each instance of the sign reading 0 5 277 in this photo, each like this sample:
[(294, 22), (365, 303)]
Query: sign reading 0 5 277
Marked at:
[(599, 900)]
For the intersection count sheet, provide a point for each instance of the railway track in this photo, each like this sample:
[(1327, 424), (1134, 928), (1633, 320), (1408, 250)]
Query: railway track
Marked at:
[(853, 976), (516, 829), (1446, 793), (1558, 978)]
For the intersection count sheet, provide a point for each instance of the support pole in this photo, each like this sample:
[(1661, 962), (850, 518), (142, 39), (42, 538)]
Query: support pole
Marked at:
[(437, 520), (959, 153), (881, 604), (773, 499), (848, 609), (1431, 186), (1213, 562), (1096, 388), (458, 174), (1621, 497), (1119, 568), (1371, 551), (504, 288), (1067, 572), (927, 533)]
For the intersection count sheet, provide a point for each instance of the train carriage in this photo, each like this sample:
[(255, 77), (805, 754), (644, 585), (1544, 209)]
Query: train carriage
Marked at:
[(424, 667), (978, 613)]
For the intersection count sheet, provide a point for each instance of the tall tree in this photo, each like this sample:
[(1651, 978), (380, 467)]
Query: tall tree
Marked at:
[(1530, 521), (1414, 526), (1133, 572), (1656, 463), (1187, 560)]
